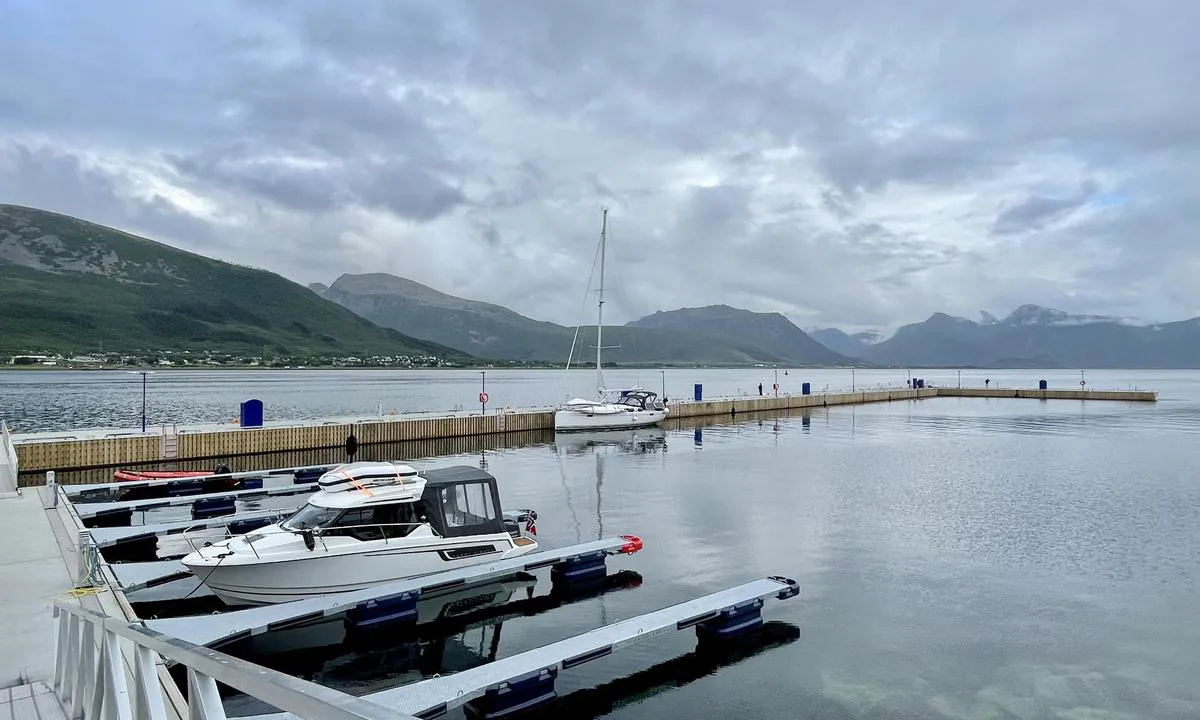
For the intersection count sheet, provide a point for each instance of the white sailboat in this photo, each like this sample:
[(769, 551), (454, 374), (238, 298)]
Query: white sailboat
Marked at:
[(635, 407)]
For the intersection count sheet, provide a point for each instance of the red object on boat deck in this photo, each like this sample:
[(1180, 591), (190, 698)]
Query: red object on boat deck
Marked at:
[(634, 544), (124, 475)]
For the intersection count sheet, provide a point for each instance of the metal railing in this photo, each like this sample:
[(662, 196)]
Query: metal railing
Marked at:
[(320, 533), (92, 683), (8, 462)]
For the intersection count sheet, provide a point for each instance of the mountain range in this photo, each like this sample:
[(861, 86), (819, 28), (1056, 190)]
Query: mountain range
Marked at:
[(718, 335), (1035, 336), (68, 285)]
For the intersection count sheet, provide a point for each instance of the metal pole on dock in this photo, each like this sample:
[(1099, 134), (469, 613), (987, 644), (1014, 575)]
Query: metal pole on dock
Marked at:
[(483, 398), (776, 382), (960, 378), (143, 373), (851, 379)]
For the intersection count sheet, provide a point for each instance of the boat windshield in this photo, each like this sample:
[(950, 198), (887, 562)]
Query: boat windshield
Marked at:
[(310, 517)]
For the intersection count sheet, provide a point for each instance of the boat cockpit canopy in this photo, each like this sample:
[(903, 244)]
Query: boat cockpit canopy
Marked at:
[(640, 400), (462, 500)]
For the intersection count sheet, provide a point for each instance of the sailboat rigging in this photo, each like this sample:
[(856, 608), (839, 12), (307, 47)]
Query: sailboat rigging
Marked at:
[(635, 407)]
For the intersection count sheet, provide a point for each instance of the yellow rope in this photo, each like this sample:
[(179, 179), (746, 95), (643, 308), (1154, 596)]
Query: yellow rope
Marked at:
[(83, 592)]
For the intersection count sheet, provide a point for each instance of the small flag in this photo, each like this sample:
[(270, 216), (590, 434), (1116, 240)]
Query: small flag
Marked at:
[(530, 527)]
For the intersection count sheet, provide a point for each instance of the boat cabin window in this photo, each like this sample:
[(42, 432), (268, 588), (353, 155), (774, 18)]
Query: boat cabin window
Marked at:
[(370, 523), (310, 517), (379, 522), (468, 504)]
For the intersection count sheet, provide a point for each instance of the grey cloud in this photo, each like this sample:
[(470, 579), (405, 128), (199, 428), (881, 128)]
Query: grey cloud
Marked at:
[(63, 182), (1038, 210), (906, 131)]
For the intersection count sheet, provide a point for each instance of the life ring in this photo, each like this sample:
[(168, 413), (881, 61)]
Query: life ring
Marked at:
[(483, 398)]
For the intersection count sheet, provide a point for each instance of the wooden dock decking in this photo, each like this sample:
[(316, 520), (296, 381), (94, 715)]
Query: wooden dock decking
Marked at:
[(79, 450)]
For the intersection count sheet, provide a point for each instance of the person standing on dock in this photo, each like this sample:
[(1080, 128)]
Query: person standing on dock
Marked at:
[(760, 389)]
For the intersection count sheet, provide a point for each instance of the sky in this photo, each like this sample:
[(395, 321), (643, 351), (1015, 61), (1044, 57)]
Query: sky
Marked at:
[(859, 165)]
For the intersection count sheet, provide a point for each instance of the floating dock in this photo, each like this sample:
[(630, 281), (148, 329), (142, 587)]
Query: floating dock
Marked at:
[(90, 661), (85, 449), (526, 680)]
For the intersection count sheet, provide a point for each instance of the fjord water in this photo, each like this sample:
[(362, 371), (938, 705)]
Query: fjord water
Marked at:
[(958, 558)]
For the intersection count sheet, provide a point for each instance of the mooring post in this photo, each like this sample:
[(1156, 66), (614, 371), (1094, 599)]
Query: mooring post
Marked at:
[(52, 486)]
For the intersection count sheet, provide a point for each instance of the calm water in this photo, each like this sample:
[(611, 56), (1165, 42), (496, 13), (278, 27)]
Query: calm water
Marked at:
[(41, 400), (984, 559)]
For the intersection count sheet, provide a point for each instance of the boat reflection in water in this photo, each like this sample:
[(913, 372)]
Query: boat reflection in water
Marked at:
[(467, 636), (633, 441), (455, 632)]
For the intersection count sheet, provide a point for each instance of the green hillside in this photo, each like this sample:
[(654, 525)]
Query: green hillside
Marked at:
[(487, 330), (67, 285)]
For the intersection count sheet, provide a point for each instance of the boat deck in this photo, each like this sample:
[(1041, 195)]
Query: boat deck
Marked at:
[(228, 626)]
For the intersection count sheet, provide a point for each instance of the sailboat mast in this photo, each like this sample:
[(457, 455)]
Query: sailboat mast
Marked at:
[(600, 304)]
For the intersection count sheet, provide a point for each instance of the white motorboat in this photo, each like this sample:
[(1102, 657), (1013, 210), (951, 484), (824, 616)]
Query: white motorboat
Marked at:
[(631, 408), (370, 523)]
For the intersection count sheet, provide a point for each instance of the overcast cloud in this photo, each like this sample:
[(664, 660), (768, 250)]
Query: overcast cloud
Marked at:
[(858, 164)]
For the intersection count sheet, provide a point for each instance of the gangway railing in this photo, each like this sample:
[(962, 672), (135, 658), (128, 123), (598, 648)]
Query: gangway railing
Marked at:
[(9, 467), (91, 682)]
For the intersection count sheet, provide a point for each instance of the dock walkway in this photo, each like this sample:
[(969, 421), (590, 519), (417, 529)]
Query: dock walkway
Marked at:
[(32, 575), (87, 449)]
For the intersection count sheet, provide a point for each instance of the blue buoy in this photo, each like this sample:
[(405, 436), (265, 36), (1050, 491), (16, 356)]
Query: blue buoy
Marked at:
[(806, 389), (252, 413), (241, 527), (581, 569), (109, 518), (732, 622), (522, 693), (384, 611), (699, 392), (300, 477), (213, 507), (187, 487)]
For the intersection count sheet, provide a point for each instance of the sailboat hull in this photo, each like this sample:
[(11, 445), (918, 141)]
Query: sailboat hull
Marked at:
[(606, 417)]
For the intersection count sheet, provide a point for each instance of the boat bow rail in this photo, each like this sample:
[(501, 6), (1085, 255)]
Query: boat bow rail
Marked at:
[(236, 624), (109, 536), (96, 510), (526, 680)]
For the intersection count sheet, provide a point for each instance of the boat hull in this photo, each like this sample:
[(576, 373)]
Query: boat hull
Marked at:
[(321, 572), (571, 419)]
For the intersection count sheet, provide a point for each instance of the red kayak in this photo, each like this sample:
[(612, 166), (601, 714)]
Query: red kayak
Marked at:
[(126, 475)]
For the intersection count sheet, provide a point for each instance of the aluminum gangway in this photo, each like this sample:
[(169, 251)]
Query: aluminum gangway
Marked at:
[(91, 681), (526, 680), (101, 509), (9, 467), (77, 491), (399, 597), (109, 536)]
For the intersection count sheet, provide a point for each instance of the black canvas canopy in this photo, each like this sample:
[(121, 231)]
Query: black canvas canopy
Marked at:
[(462, 500)]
